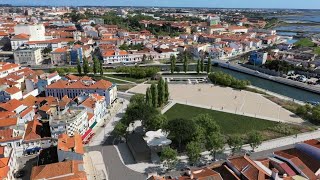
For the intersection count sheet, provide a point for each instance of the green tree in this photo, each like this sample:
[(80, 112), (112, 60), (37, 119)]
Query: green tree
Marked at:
[(166, 92), (155, 122), (144, 58), (161, 92), (154, 92), (120, 130), (137, 99), (173, 63), (235, 142), (85, 66), (101, 68), (180, 131), (96, 65), (148, 97), (315, 114), (202, 64), (207, 123), (169, 157), (254, 139), (79, 67), (302, 111), (209, 65), (305, 42), (215, 143), (198, 67), (185, 63), (193, 150)]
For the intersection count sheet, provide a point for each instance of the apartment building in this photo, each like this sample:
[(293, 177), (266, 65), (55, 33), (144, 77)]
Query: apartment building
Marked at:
[(28, 56), (76, 86)]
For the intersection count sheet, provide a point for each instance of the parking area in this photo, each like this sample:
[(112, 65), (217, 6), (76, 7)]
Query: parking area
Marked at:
[(227, 100)]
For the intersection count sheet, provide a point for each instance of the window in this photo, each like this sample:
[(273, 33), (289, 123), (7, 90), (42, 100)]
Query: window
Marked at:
[(9, 145)]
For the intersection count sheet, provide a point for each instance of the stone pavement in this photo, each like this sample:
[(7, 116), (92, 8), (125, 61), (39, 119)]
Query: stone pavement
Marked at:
[(98, 163), (89, 167)]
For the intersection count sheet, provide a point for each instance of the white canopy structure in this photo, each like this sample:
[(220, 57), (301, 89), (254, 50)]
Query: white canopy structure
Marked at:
[(157, 138)]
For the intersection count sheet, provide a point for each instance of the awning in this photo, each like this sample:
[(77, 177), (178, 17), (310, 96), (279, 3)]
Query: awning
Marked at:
[(33, 149), (86, 134), (93, 125)]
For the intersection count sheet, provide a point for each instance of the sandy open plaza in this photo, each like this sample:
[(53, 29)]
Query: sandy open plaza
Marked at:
[(226, 99)]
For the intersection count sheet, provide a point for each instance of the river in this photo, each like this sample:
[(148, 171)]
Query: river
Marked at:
[(272, 86)]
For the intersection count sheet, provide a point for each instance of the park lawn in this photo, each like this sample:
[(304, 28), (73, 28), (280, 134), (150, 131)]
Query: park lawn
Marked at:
[(231, 123), (125, 77), (98, 77)]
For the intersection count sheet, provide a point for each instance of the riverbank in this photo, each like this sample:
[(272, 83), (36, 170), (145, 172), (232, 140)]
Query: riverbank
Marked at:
[(280, 80)]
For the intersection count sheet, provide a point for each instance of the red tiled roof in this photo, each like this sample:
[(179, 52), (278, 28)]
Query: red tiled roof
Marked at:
[(6, 122), (11, 105), (7, 135), (21, 36), (12, 90), (312, 164), (32, 130), (6, 66), (295, 160), (66, 143), (26, 111), (61, 84), (66, 170)]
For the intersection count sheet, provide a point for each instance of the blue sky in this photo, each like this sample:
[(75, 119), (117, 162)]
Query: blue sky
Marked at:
[(297, 4)]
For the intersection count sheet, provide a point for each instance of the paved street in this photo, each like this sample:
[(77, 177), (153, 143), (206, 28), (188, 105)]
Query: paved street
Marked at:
[(116, 170), (103, 143)]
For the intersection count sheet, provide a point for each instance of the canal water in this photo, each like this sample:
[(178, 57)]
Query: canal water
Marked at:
[(272, 86)]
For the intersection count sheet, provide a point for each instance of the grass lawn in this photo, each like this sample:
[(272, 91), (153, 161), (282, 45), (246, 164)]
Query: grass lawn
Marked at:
[(232, 123), (97, 77), (125, 77)]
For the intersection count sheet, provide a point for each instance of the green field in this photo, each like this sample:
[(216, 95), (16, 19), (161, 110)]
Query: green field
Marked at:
[(232, 123), (125, 77)]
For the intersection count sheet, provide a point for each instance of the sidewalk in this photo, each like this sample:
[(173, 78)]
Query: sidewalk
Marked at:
[(110, 122), (89, 167)]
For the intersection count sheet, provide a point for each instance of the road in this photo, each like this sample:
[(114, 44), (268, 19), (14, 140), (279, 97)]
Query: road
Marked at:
[(103, 142), (115, 168)]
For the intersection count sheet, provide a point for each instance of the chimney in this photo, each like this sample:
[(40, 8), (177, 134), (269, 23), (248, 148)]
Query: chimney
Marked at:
[(275, 174)]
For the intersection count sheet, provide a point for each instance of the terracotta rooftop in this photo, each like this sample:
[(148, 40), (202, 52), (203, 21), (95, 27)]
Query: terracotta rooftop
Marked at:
[(11, 105), (33, 130), (67, 170), (248, 168), (12, 90), (66, 143), (313, 142), (7, 135), (21, 37), (298, 163), (29, 101), (309, 161)]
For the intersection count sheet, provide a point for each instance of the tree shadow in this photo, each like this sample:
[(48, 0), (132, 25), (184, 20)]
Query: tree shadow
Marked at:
[(126, 154), (28, 168)]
